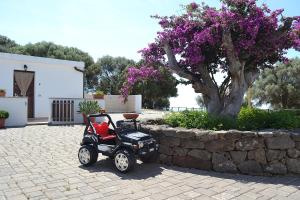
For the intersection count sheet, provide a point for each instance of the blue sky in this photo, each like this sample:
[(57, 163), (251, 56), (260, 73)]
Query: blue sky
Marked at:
[(101, 27)]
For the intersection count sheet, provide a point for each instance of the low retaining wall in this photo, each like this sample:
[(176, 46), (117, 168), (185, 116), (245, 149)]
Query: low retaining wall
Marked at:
[(17, 109), (246, 152)]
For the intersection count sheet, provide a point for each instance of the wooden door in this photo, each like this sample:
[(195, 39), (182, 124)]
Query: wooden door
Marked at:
[(29, 94)]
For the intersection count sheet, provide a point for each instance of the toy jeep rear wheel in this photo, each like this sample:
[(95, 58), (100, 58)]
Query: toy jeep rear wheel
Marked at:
[(124, 160), (87, 155)]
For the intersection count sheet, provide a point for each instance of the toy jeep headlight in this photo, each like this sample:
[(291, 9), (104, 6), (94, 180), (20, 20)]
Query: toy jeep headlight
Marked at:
[(141, 144)]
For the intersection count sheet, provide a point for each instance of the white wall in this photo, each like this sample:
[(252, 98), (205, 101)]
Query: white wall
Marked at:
[(115, 104), (17, 109), (53, 78)]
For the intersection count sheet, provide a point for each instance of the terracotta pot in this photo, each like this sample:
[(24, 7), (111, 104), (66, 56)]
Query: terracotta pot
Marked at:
[(2, 123), (85, 120), (102, 110), (130, 115), (98, 96), (2, 93)]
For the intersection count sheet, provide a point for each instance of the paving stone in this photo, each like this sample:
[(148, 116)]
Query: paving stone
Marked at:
[(45, 166)]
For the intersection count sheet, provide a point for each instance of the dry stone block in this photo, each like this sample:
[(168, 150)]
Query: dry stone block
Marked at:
[(293, 165), (275, 155), (197, 163), (276, 168), (163, 149), (170, 141), (259, 155), (250, 167), (165, 159), (222, 163), (205, 136), (179, 151), (192, 162), (179, 161), (238, 156), (169, 132), (200, 154), (280, 142), (219, 145), (265, 134), (249, 143), (296, 136), (293, 153), (297, 145), (191, 144), (185, 133)]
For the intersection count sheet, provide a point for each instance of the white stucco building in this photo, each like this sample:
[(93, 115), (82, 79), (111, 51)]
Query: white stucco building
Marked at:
[(39, 79), (38, 88)]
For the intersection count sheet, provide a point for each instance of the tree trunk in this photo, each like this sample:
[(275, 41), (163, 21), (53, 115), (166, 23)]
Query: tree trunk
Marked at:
[(228, 106), (225, 100)]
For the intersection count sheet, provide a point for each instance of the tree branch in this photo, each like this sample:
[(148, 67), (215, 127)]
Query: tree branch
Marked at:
[(224, 85), (251, 76), (235, 66), (173, 64)]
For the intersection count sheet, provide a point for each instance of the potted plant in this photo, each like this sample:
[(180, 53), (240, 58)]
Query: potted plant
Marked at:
[(3, 115), (98, 95), (130, 115), (2, 93), (87, 108)]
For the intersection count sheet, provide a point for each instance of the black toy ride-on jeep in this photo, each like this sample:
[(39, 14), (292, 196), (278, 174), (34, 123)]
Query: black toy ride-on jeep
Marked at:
[(124, 143)]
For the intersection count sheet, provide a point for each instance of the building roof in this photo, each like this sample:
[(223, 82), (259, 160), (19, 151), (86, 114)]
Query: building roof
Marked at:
[(35, 59)]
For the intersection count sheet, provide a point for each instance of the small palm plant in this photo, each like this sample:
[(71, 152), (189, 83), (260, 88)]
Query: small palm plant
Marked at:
[(87, 108)]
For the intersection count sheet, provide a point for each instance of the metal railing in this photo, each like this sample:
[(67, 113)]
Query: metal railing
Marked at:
[(178, 109), (62, 111)]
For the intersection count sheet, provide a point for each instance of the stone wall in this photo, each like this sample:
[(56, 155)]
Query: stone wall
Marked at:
[(258, 153)]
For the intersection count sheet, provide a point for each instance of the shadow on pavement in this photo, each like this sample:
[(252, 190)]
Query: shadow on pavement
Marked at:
[(141, 170), (144, 171)]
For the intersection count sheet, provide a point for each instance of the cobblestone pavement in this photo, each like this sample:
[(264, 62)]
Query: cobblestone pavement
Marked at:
[(40, 162)]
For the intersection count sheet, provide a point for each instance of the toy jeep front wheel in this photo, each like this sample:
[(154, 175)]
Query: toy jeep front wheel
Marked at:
[(87, 155), (124, 160)]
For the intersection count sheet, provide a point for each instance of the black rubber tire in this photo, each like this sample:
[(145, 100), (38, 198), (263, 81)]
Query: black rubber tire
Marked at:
[(130, 157), (93, 155), (150, 158)]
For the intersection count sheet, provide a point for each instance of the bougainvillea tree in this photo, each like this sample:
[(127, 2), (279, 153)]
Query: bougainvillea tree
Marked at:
[(238, 40)]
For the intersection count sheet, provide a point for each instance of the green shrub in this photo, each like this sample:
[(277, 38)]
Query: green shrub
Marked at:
[(284, 119), (247, 119), (4, 114), (252, 119), (199, 119)]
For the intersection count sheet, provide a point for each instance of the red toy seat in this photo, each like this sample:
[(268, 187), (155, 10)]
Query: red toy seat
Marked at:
[(103, 131)]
